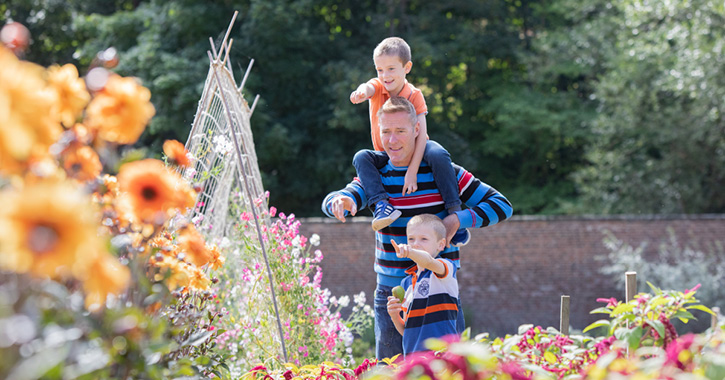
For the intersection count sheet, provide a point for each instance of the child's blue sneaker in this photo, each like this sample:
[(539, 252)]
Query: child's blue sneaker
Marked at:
[(461, 238), (384, 215)]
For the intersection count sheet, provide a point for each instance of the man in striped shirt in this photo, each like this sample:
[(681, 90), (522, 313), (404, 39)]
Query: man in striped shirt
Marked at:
[(485, 207)]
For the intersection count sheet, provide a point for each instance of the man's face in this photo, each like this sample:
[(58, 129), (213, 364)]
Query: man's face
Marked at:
[(398, 136)]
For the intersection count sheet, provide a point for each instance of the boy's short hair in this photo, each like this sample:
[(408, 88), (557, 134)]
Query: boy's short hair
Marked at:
[(394, 46), (399, 104), (429, 219)]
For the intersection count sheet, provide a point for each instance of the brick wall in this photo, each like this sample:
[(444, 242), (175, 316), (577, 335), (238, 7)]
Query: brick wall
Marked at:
[(515, 272)]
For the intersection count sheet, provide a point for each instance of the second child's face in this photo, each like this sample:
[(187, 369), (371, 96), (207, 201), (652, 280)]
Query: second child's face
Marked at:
[(423, 237), (391, 71)]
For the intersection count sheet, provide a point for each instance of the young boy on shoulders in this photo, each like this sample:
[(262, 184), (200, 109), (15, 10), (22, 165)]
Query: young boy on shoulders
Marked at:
[(430, 306), (392, 60)]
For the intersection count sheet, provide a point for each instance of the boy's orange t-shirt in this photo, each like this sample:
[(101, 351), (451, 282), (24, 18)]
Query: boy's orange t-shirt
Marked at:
[(410, 92)]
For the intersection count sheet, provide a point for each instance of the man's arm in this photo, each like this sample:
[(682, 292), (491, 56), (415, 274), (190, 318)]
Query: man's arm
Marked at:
[(486, 206), (338, 204)]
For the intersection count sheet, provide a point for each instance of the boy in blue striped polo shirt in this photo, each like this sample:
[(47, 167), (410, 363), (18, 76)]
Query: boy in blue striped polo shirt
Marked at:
[(430, 307)]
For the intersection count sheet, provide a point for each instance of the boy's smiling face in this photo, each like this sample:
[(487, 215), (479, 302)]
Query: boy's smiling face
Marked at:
[(391, 71)]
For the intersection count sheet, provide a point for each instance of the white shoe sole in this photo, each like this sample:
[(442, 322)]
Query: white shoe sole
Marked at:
[(379, 224)]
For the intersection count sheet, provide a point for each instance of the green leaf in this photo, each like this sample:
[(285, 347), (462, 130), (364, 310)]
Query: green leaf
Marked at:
[(658, 326), (683, 316), (701, 308), (622, 308), (599, 323), (601, 310), (631, 336), (466, 335), (549, 357), (435, 344), (657, 291), (197, 338)]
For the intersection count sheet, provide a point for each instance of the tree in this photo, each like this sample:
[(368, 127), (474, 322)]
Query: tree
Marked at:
[(660, 134)]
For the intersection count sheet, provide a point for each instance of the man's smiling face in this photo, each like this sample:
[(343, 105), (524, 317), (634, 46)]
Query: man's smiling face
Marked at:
[(398, 134)]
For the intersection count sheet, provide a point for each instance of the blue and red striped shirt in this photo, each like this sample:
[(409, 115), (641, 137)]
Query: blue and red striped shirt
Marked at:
[(485, 207)]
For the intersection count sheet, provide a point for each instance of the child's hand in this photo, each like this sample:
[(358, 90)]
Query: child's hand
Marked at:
[(402, 250), (358, 96), (411, 182), (394, 307)]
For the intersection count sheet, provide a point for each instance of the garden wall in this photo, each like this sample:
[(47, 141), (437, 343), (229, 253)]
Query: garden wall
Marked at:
[(516, 272)]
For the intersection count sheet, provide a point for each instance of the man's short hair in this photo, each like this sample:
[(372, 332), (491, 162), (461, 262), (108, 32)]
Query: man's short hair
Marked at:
[(399, 104), (431, 220), (395, 46)]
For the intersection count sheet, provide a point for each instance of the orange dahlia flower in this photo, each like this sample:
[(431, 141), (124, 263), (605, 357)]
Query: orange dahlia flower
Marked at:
[(217, 260), (149, 190), (48, 229), (177, 153), (194, 246), (106, 275), (28, 123), (82, 163), (72, 94), (120, 111)]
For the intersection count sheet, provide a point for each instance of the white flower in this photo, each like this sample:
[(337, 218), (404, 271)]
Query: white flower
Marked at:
[(190, 173), (346, 337), (295, 252), (359, 299), (344, 301), (367, 308), (296, 241), (221, 145), (315, 240), (333, 300)]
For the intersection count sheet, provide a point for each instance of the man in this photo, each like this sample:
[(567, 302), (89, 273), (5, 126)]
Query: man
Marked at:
[(486, 207)]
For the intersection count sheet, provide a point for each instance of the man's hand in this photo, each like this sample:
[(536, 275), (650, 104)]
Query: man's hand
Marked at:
[(411, 182), (358, 96), (340, 204), (452, 225), (402, 250)]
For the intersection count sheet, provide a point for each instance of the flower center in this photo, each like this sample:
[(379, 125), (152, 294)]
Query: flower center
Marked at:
[(42, 239), (75, 168), (148, 193)]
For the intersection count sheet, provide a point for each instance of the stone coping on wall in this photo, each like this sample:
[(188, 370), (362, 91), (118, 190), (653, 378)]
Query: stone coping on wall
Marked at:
[(530, 218)]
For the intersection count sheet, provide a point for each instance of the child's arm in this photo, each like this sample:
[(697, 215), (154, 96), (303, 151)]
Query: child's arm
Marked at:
[(362, 93), (422, 258), (411, 176), (395, 307)]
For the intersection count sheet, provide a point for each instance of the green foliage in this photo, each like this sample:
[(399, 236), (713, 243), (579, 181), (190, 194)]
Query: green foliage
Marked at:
[(566, 106), (660, 129), (46, 332)]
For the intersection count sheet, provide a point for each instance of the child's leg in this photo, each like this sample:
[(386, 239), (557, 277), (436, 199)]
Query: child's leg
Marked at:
[(367, 164), (440, 163)]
